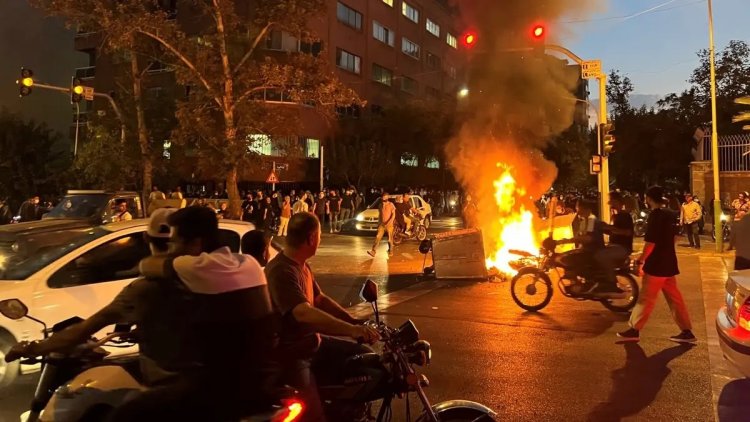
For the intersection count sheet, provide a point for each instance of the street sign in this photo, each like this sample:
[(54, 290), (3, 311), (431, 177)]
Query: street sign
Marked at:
[(591, 69), (88, 93), (595, 164), (272, 178)]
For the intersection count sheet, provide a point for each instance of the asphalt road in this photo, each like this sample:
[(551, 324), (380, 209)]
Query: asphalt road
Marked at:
[(561, 364)]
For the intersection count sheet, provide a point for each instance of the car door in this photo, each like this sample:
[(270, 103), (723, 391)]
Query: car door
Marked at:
[(87, 279)]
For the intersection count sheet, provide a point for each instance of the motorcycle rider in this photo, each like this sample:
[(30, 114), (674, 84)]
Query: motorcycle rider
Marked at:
[(620, 242), (308, 316), (589, 240), (403, 207)]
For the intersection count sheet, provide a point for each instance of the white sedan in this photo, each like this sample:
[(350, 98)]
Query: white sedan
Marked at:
[(733, 321), (75, 275), (368, 219)]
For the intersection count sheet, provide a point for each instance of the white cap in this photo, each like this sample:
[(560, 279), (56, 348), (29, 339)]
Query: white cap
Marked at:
[(158, 226)]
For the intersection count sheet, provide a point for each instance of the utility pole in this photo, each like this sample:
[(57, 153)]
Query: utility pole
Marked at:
[(714, 133)]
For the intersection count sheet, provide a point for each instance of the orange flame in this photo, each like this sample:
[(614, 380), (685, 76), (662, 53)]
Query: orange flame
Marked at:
[(515, 223)]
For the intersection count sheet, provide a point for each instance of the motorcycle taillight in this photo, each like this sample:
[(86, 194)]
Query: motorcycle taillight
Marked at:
[(743, 315), (291, 412)]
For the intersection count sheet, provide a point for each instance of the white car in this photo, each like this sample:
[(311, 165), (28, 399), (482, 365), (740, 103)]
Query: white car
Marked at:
[(368, 219), (76, 275), (733, 321)]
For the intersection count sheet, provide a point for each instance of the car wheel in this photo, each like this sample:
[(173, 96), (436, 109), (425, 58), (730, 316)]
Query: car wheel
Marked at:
[(8, 371), (428, 221)]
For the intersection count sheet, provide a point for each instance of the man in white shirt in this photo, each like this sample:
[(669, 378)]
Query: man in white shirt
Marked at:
[(690, 214), (121, 212)]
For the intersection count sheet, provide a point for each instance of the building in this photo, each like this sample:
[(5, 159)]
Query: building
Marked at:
[(386, 50)]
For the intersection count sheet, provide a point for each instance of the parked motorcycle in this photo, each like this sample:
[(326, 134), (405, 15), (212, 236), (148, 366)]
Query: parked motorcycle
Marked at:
[(640, 220), (726, 228), (366, 378), (418, 230), (83, 386), (531, 288)]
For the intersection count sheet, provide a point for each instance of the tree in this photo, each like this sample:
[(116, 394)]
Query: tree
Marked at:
[(571, 151), (102, 161), (33, 158), (619, 89)]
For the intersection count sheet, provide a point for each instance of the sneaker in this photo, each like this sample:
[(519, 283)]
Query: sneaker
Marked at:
[(371, 253), (630, 334), (686, 336)]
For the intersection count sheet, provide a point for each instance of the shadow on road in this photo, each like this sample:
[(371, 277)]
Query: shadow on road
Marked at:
[(733, 403), (637, 383)]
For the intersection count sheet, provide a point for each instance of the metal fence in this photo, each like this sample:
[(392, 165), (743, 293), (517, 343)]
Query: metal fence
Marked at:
[(734, 152)]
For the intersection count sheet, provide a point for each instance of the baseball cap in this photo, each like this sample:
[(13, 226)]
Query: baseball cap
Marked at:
[(158, 226)]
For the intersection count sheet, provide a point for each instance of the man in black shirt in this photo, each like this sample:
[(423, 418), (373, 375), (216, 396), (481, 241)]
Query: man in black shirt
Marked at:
[(306, 313), (658, 266), (620, 241), (347, 206)]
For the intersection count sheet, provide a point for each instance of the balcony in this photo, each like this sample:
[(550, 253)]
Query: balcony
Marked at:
[(87, 41), (86, 73)]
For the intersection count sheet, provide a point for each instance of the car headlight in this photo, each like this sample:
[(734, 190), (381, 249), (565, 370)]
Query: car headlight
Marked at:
[(14, 247), (724, 217), (643, 213), (452, 203), (360, 217)]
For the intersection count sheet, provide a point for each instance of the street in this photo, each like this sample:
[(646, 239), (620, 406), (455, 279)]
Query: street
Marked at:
[(561, 364)]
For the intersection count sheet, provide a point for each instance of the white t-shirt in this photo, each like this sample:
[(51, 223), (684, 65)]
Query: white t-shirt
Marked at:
[(220, 271)]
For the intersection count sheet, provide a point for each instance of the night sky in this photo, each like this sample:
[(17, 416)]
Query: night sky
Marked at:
[(30, 39)]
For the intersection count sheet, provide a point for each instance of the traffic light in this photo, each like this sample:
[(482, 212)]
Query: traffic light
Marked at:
[(76, 90), (538, 32), (743, 116), (469, 39), (25, 82), (606, 131)]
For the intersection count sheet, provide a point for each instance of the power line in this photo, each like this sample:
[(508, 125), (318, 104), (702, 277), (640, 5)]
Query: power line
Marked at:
[(654, 9)]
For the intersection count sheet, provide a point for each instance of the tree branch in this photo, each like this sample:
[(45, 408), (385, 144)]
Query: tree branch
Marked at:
[(255, 43), (182, 58), (247, 93)]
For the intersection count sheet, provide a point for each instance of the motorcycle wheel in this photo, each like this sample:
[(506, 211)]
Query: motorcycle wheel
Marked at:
[(8, 371), (525, 287), (639, 229), (727, 232), (627, 283), (397, 237), (421, 233), (461, 415)]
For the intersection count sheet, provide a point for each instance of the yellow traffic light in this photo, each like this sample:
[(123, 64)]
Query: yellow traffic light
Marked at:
[(27, 82), (78, 89)]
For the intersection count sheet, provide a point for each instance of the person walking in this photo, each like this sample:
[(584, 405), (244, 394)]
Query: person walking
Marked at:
[(286, 214), (658, 266), (334, 207), (690, 214), (387, 220), (347, 207), (320, 208)]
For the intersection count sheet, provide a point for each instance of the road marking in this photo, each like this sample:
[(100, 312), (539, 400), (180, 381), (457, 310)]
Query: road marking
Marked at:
[(386, 301)]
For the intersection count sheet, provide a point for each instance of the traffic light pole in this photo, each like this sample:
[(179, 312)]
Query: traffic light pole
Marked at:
[(96, 94)]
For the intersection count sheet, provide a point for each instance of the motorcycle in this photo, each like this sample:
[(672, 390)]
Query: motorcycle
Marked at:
[(531, 287), (418, 230), (82, 386), (640, 221), (365, 378), (726, 228)]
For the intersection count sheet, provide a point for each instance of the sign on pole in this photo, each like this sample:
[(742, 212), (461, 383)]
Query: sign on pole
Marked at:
[(595, 164), (591, 69), (272, 178), (88, 93)]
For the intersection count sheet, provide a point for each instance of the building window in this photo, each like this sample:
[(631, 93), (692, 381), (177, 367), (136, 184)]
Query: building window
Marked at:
[(313, 48), (383, 34), (451, 40), (409, 160), (410, 12), (433, 61), (281, 41), (450, 70), (352, 111), (432, 163), (409, 85), (382, 75), (312, 148), (348, 61), (259, 144), (409, 48), (433, 28), (388, 2), (349, 16)]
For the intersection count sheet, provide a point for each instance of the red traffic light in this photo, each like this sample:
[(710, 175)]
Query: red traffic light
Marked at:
[(469, 39), (538, 32)]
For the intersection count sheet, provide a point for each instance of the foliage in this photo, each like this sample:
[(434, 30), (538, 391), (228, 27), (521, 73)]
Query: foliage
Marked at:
[(103, 162), (571, 151), (33, 159)]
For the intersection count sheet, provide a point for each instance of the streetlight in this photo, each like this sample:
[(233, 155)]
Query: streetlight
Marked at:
[(714, 130), (463, 93)]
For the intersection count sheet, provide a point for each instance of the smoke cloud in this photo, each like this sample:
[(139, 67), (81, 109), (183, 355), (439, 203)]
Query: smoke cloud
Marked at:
[(518, 100)]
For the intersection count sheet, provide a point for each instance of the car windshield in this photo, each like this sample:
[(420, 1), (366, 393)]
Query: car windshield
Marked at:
[(19, 266), (79, 206)]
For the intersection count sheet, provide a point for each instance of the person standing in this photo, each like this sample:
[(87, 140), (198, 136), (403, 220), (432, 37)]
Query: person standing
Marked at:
[(156, 194), (690, 214), (286, 214), (334, 205), (387, 220), (469, 213), (740, 208), (28, 210), (658, 266), (347, 207), (300, 205), (248, 207), (177, 194), (6, 215), (742, 256), (320, 207)]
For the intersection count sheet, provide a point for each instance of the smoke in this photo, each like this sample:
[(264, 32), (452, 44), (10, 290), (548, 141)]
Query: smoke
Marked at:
[(518, 101)]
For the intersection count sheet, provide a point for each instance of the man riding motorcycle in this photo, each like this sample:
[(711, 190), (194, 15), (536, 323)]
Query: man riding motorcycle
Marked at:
[(620, 241), (589, 239), (306, 313), (403, 209)]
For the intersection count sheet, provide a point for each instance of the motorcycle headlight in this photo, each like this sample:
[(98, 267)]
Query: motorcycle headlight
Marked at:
[(643, 213), (420, 353), (724, 217)]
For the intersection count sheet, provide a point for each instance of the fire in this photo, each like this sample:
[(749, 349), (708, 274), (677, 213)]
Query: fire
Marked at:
[(514, 225)]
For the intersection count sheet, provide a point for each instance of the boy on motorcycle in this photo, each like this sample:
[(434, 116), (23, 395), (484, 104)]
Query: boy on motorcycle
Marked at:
[(588, 236)]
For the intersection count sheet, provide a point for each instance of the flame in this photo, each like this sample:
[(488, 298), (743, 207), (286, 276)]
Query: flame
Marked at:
[(514, 225)]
